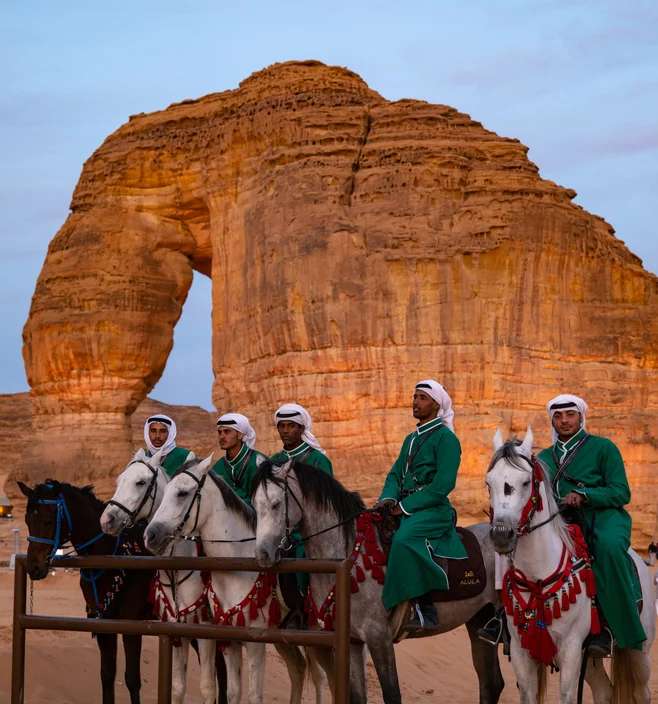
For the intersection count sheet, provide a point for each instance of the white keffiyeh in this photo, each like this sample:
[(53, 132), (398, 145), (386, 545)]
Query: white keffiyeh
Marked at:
[(433, 389), (566, 402), (298, 414), (240, 423), (170, 442)]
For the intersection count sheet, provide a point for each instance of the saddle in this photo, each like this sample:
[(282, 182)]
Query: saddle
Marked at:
[(467, 578)]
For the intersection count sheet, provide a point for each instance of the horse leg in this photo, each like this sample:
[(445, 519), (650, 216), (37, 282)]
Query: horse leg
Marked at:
[(132, 648), (383, 658), (325, 659), (107, 645), (207, 682), (641, 669), (233, 659), (179, 671), (599, 682), (526, 671), (296, 665), (569, 658), (316, 671), (358, 692), (256, 671), (485, 661), (222, 677)]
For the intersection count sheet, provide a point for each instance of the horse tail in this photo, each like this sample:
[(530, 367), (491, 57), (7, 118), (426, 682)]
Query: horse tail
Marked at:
[(542, 682), (623, 679)]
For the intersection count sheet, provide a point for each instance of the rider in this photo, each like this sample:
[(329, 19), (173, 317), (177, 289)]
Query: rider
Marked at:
[(241, 461), (295, 430), (160, 434), (588, 475), (417, 487)]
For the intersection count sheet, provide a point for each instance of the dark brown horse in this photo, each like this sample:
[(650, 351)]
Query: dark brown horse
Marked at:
[(58, 514)]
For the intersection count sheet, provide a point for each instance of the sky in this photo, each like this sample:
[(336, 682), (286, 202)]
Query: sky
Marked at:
[(575, 81)]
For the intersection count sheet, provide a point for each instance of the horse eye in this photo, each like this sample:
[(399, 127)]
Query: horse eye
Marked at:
[(140, 482), (276, 504), (526, 483), (508, 489), (182, 493)]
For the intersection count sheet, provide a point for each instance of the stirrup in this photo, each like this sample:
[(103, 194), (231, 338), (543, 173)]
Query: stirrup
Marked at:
[(492, 631), (601, 645)]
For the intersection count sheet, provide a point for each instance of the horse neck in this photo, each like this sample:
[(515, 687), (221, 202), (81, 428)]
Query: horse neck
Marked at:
[(85, 522), (538, 553), (327, 546), (160, 486), (221, 523)]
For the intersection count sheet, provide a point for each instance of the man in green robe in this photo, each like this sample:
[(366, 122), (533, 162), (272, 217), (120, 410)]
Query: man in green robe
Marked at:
[(418, 486), (588, 475), (160, 435), (240, 463), (294, 424)]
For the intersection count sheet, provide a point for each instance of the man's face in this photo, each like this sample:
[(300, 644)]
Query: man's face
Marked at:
[(228, 438), (290, 433), (424, 406), (158, 433), (566, 423)]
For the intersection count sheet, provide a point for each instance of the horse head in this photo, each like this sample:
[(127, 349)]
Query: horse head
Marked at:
[(278, 510), (136, 495), (49, 525), (181, 511), (510, 484)]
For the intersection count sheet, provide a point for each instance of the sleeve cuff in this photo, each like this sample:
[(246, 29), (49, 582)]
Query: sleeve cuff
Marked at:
[(406, 513), (388, 498), (582, 493)]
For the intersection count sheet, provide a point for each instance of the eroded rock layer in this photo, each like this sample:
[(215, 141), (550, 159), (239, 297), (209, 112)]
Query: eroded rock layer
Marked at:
[(355, 245)]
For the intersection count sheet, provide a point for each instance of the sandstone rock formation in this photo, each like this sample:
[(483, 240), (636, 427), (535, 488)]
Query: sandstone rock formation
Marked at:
[(355, 245)]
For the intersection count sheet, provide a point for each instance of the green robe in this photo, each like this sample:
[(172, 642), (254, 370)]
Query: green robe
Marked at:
[(239, 472), (306, 455), (173, 461), (420, 480), (593, 467)]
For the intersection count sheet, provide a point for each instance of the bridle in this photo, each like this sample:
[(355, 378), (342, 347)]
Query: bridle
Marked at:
[(63, 528), (196, 499), (150, 493)]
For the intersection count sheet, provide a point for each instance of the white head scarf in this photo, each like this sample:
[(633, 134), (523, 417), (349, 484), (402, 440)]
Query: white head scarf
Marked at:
[(240, 423), (298, 414), (566, 402), (440, 395), (170, 442)]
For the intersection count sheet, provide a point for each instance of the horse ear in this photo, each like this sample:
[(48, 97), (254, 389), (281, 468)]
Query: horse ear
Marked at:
[(157, 457), (25, 489), (204, 466), (497, 440), (525, 448), (139, 456)]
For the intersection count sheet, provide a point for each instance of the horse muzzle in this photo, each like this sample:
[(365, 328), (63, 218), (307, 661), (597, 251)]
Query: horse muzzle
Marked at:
[(110, 523), (157, 537), (503, 537), (266, 557)]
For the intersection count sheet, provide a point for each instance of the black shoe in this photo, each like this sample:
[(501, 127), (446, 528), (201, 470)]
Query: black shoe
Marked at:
[(600, 645), (424, 616)]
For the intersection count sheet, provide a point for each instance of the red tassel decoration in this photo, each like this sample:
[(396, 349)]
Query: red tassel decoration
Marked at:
[(240, 618), (354, 586), (572, 593), (378, 574), (576, 585), (274, 613), (329, 622), (556, 609), (565, 601), (595, 628), (253, 609), (548, 616), (360, 574), (517, 616), (367, 562)]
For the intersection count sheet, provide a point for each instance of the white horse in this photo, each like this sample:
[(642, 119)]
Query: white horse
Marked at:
[(226, 526), (326, 512), (527, 527), (182, 594)]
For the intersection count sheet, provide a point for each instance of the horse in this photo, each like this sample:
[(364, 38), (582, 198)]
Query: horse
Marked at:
[(193, 505), (178, 595), (59, 513), (548, 590), (295, 494)]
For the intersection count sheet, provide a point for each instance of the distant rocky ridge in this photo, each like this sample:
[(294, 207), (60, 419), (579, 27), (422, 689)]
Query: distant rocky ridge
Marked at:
[(355, 245)]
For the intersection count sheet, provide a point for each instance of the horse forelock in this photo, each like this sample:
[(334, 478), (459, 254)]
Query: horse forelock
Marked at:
[(509, 452), (52, 488), (233, 502)]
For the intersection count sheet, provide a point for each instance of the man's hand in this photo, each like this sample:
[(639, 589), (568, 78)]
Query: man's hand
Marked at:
[(380, 503), (396, 510), (574, 499)]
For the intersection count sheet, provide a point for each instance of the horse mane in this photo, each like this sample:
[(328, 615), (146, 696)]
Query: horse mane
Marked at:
[(325, 492), (56, 487), (509, 452), (232, 501)]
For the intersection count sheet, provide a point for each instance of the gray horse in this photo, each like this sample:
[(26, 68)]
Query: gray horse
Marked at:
[(295, 494)]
